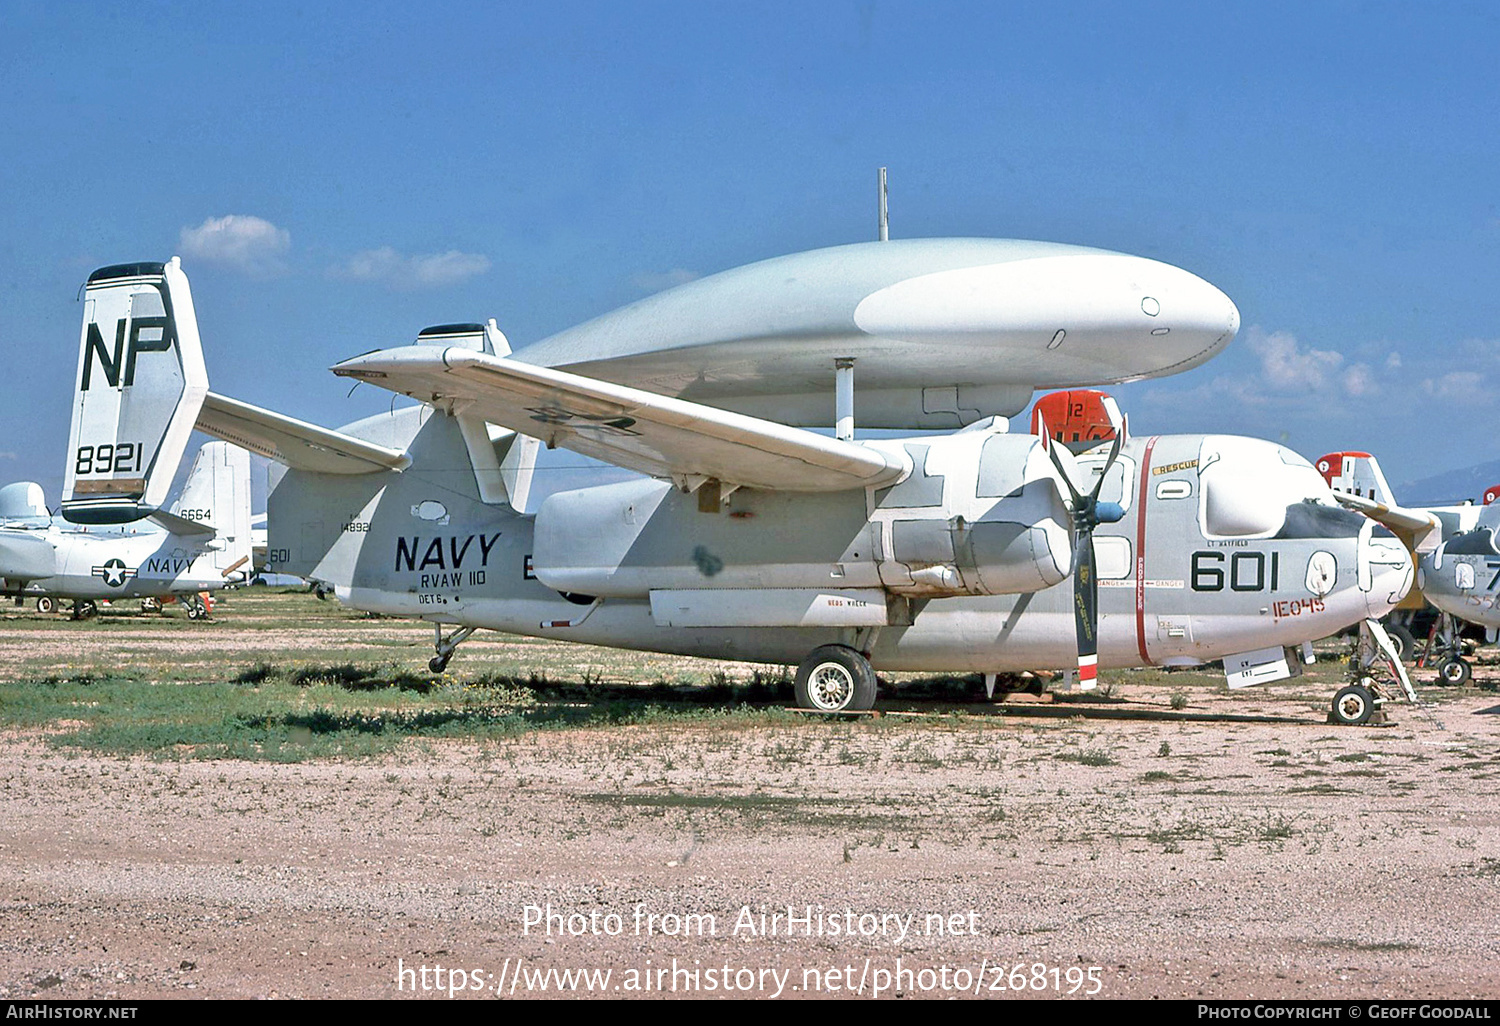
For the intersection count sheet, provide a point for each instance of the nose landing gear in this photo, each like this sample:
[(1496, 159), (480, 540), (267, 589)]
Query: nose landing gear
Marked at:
[(1375, 671), (1357, 704)]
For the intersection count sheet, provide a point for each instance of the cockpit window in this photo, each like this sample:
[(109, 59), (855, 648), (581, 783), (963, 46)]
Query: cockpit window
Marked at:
[(1314, 520), (1478, 542)]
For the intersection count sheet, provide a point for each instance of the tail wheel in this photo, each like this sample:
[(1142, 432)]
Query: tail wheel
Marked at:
[(1353, 705), (1455, 672), (835, 678)]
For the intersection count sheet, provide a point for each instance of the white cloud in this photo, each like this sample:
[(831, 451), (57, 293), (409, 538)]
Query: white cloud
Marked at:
[(248, 243), (432, 270), (656, 281), (1466, 387), (1360, 381), (1287, 366)]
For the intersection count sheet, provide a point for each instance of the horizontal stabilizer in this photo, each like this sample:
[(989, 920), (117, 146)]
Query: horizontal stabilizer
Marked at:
[(295, 443), (630, 428), (181, 525)]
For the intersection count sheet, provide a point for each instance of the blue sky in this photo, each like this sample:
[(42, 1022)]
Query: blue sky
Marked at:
[(335, 178)]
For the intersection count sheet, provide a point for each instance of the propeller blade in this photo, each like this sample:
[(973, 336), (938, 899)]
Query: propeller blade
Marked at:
[(1086, 610), (1114, 454), (1088, 512), (1065, 467)]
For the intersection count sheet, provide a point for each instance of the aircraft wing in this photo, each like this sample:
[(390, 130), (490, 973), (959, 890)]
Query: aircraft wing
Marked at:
[(1420, 529), (637, 430), (296, 443)]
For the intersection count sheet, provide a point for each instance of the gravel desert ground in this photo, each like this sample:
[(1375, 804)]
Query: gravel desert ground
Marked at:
[(1234, 847)]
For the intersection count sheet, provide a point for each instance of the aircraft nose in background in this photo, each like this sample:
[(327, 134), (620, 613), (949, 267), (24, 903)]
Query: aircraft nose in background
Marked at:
[(1390, 573)]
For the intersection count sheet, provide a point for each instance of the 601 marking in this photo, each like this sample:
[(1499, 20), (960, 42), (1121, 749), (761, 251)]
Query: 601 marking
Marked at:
[(1247, 571)]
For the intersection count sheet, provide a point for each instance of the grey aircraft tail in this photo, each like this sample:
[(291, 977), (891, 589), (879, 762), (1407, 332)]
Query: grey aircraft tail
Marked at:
[(141, 381)]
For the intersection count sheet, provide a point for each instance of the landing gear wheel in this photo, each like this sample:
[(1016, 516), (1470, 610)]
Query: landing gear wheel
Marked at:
[(1405, 642), (1455, 672), (46, 605), (835, 678), (150, 605), (1353, 705), (84, 609), (445, 647)]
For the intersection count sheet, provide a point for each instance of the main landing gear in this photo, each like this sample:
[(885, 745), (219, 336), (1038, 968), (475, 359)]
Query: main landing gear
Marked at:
[(85, 609), (835, 678), (447, 646), (196, 606)]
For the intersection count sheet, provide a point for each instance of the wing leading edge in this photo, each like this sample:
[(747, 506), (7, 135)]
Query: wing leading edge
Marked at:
[(627, 427)]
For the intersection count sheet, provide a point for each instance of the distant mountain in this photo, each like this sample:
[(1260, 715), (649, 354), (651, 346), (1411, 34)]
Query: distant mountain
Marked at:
[(1449, 488)]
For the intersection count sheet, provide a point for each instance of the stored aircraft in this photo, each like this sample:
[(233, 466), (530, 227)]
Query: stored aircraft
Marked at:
[(1458, 566), (754, 540), (1461, 577), (200, 545)]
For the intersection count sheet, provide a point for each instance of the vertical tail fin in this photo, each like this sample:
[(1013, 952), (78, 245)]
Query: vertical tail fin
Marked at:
[(141, 381), (503, 460), (1357, 473), (217, 491)]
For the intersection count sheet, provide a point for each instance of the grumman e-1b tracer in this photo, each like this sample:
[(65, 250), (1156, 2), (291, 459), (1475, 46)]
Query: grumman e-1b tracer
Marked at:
[(758, 541), (140, 380), (198, 546)]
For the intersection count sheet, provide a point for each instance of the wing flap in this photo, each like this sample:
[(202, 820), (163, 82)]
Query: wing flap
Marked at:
[(295, 443), (630, 428)]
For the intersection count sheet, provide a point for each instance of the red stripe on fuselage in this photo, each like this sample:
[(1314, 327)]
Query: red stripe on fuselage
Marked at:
[(1140, 551)]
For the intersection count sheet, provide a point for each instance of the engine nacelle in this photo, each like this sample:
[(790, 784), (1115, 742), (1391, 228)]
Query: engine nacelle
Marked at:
[(979, 515)]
